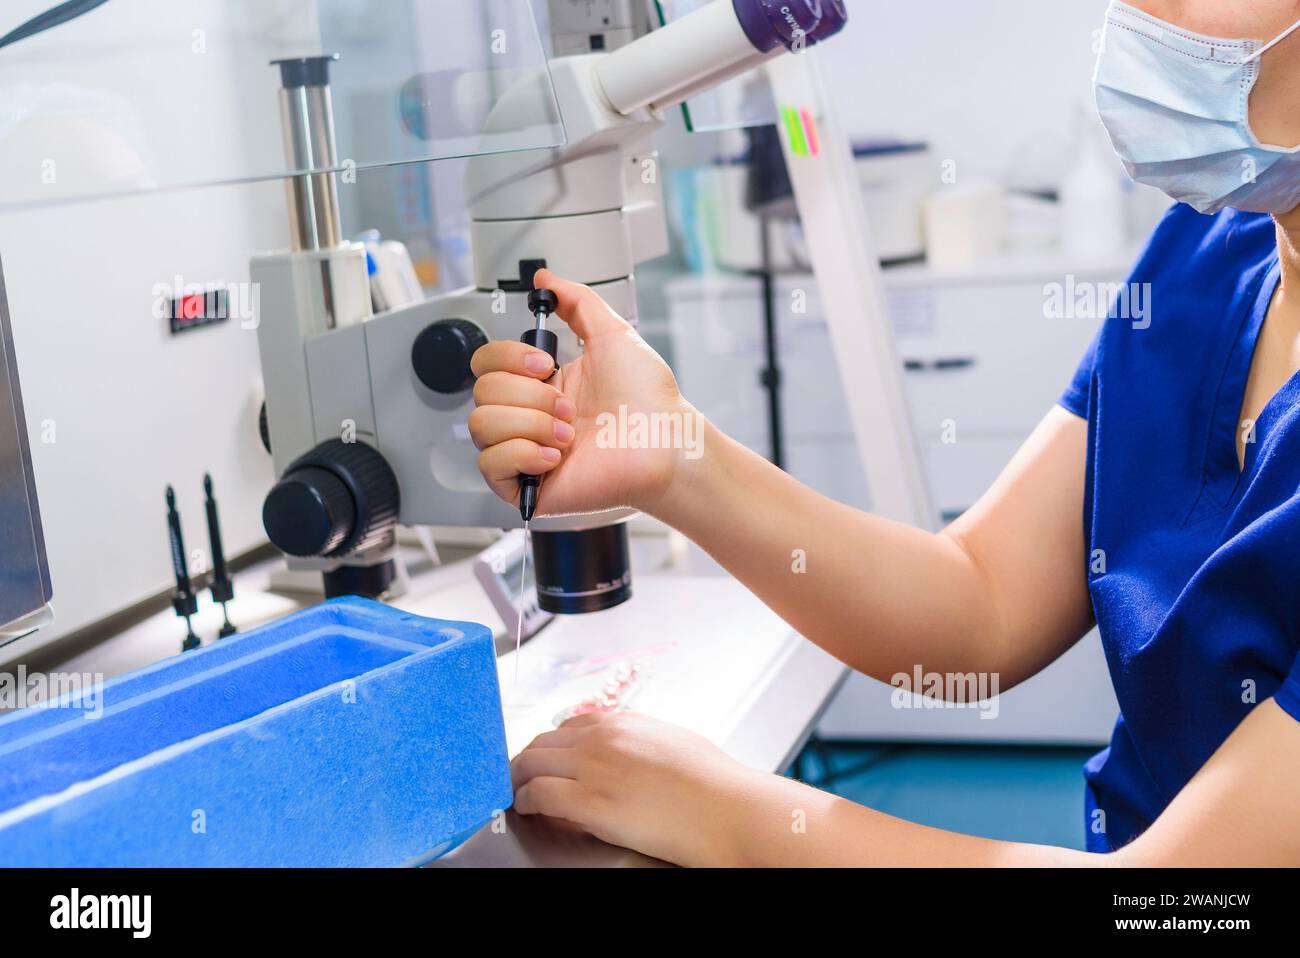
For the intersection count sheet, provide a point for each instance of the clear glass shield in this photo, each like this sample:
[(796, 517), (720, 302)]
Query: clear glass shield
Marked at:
[(738, 104), (415, 80)]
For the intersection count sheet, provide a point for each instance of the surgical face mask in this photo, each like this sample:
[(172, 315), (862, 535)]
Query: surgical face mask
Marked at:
[(1177, 107)]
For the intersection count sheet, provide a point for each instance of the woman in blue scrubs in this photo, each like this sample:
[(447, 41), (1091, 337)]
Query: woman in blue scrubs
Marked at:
[(1160, 500)]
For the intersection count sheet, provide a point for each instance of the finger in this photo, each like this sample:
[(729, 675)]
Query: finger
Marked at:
[(507, 389), (534, 763), (553, 797), (509, 459), (509, 356), (491, 425), (580, 306)]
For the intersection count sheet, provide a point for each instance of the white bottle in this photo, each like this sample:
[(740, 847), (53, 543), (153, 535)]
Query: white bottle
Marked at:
[(1092, 199)]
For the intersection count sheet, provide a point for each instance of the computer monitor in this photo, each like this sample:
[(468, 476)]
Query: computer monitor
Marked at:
[(25, 589)]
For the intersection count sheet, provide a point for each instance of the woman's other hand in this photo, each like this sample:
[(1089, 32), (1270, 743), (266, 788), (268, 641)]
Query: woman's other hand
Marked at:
[(634, 781)]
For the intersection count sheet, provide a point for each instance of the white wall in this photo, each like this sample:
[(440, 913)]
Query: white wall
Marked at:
[(128, 407), (993, 84)]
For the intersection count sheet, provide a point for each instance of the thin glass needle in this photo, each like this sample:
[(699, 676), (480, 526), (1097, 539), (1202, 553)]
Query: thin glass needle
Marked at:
[(519, 621)]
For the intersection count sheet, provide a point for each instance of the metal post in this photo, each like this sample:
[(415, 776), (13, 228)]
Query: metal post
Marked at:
[(307, 118)]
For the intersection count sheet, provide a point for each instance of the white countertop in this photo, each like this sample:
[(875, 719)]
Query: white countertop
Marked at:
[(710, 656)]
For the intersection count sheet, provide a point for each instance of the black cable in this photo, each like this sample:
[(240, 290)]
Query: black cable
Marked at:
[(50, 19)]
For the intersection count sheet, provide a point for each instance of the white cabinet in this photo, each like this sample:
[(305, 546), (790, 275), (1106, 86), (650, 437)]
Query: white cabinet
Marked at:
[(984, 362)]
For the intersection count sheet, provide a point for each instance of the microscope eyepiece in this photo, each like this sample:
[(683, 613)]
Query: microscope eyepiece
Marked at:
[(793, 24), (298, 72)]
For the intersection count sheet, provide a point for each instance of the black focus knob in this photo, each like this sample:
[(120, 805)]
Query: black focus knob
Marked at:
[(442, 352), (309, 513), (339, 499)]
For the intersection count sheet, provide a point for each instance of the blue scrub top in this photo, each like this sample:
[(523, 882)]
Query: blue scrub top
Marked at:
[(1194, 564)]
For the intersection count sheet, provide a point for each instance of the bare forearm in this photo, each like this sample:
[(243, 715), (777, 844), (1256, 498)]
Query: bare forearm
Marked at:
[(1239, 810), (880, 596)]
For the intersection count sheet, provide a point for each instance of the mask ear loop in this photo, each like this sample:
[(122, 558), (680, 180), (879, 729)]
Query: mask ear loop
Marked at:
[(1272, 43)]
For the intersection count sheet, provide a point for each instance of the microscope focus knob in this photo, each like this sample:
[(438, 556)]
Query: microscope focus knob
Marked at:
[(442, 352), (339, 499)]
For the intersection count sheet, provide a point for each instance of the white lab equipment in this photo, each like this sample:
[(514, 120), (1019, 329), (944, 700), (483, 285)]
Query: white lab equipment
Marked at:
[(594, 26), (1093, 215), (964, 224), (400, 382), (895, 178)]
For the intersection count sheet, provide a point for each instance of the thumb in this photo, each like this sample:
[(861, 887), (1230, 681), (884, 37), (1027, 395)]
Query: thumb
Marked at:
[(580, 306)]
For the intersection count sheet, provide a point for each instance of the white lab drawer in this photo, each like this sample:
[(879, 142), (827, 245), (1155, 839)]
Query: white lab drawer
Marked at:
[(719, 355), (986, 358), (961, 472), (991, 360)]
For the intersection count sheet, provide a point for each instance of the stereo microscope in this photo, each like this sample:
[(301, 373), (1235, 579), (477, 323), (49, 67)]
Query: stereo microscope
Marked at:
[(367, 415)]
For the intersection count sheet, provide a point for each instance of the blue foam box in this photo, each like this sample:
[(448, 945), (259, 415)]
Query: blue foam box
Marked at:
[(349, 734)]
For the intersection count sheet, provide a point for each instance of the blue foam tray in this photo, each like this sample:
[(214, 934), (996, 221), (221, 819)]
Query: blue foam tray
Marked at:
[(349, 734)]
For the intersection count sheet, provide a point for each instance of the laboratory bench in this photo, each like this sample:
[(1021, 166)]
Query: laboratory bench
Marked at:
[(706, 654)]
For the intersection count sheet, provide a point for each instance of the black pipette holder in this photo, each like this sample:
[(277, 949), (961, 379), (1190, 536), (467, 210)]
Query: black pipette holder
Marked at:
[(222, 588), (184, 601), (541, 303)]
